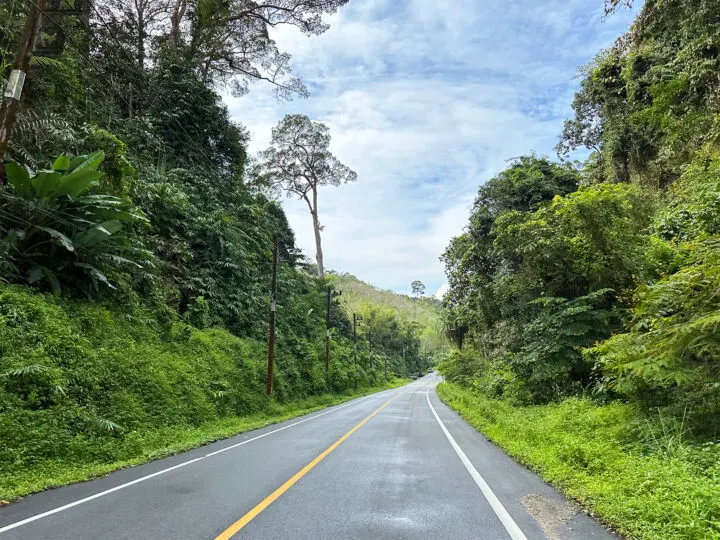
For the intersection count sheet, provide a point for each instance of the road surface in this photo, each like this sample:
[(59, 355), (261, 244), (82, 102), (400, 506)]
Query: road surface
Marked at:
[(397, 464)]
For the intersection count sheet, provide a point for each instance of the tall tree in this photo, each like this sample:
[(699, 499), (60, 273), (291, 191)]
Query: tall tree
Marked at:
[(298, 162), (135, 22), (229, 40), (418, 288), (225, 42)]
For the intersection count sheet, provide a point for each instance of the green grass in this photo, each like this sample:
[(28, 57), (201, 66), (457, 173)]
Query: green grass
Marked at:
[(143, 446), (644, 480)]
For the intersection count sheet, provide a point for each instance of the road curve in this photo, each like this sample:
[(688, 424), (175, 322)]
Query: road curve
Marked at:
[(396, 464)]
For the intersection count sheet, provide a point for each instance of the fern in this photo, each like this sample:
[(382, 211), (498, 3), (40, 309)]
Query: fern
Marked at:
[(38, 137), (24, 371), (46, 62), (103, 424)]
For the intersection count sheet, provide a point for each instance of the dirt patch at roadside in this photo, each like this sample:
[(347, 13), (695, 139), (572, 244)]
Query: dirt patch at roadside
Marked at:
[(550, 514)]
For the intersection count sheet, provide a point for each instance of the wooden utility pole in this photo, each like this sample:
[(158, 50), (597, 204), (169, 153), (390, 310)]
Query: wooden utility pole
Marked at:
[(356, 318), (13, 90), (130, 101), (330, 295), (271, 338), (370, 344)]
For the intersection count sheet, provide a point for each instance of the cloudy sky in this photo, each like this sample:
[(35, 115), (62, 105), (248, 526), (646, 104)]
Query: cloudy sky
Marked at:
[(426, 103)]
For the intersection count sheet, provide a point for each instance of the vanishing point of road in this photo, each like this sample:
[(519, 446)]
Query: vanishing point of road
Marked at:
[(396, 464)]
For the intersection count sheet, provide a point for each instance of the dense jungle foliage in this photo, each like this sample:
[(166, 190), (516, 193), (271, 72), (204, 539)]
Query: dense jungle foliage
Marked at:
[(135, 257), (602, 278)]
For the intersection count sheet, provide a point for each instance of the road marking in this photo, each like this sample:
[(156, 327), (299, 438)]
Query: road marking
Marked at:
[(178, 466), (252, 514), (508, 522)]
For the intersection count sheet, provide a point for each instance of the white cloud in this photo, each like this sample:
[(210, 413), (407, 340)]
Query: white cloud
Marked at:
[(426, 103), (442, 291)]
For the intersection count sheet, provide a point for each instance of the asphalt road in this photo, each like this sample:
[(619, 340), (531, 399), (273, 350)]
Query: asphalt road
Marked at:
[(397, 464)]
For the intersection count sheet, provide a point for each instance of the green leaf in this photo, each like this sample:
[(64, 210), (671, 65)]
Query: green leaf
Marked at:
[(34, 274), (91, 161), (46, 184), (63, 240), (98, 233), (94, 273), (29, 369), (62, 163), (19, 178), (123, 260), (78, 181), (103, 424), (38, 273), (52, 279)]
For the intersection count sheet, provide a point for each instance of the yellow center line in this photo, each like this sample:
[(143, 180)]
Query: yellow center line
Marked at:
[(252, 514)]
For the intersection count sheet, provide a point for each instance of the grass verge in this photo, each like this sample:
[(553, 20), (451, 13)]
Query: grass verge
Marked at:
[(647, 483), (142, 447)]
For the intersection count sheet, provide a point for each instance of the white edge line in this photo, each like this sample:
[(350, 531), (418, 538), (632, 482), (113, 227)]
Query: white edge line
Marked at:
[(178, 466), (505, 518)]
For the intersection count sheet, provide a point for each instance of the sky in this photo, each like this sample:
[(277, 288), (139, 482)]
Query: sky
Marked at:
[(426, 101)]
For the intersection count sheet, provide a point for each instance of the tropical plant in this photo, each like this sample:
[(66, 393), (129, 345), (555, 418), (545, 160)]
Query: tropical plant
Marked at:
[(58, 234), (670, 354)]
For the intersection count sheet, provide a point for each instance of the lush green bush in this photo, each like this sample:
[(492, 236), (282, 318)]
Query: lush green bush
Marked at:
[(648, 103), (547, 285), (636, 472)]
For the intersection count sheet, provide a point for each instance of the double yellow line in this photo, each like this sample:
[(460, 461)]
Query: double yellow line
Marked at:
[(252, 514)]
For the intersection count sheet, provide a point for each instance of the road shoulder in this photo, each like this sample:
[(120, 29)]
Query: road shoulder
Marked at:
[(539, 509)]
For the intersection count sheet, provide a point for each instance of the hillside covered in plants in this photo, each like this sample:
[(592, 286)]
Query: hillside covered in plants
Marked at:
[(418, 315)]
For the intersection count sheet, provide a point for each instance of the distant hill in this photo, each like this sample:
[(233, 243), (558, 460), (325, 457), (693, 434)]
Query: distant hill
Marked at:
[(423, 311)]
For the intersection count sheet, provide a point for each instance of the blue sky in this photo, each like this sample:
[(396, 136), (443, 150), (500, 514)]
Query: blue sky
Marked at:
[(426, 100)]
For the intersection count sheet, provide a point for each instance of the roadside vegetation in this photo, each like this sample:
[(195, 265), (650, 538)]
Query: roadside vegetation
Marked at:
[(636, 473), (583, 297), (136, 242)]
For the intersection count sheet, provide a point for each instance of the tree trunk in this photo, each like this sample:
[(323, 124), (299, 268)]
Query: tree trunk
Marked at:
[(318, 246), (141, 42), (318, 243), (176, 21), (11, 103)]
